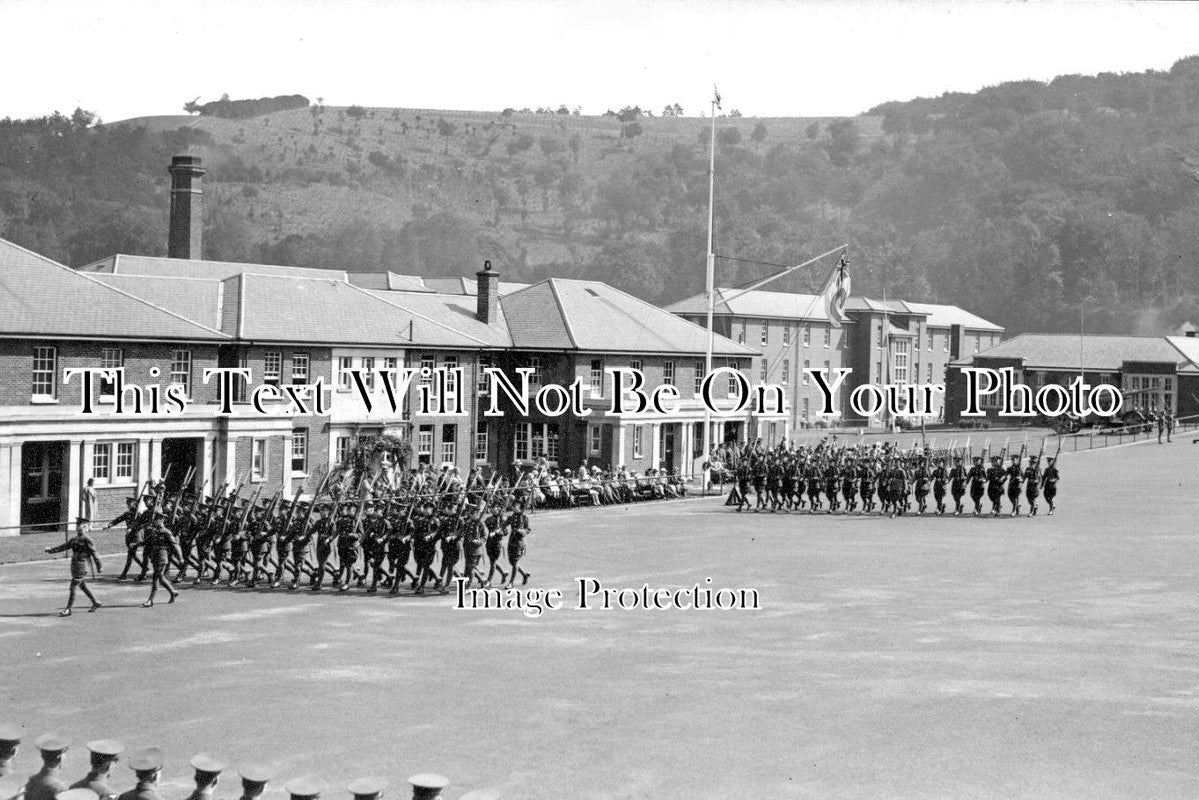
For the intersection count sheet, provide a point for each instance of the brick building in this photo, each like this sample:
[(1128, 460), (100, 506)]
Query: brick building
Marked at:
[(896, 342), (1152, 373), (166, 320)]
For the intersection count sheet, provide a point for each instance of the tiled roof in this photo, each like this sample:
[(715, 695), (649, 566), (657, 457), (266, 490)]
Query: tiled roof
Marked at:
[(389, 281), (859, 303), (468, 285), (39, 296), (1068, 352), (594, 316), (198, 268), (287, 309), (453, 310), (940, 316), (756, 303), (198, 300), (1188, 347)]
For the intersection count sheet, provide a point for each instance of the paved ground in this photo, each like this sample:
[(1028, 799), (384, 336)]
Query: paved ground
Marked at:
[(1045, 658)]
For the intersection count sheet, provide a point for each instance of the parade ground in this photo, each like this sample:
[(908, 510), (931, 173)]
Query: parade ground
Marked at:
[(1051, 657)]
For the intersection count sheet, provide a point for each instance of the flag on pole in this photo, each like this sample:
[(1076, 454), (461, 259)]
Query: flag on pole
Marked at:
[(836, 292), (716, 92)]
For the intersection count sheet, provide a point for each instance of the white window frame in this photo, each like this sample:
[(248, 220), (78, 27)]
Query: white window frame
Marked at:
[(786, 334), (786, 371), (638, 443), (807, 334), (668, 373), (520, 442), (699, 377), (344, 365), (102, 462), (595, 438), (765, 333), (449, 444), (299, 451), (181, 367), (596, 377), (341, 448), (828, 336), (427, 361), (451, 381), (259, 465), (899, 360), (763, 370), (110, 358), (272, 367), (45, 377), (424, 442), (807, 364), (124, 453), (481, 443), (301, 365), (484, 383), (368, 372), (535, 364)]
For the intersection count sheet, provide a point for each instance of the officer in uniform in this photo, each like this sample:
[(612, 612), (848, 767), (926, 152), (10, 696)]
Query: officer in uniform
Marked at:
[(1032, 484), (146, 764), (262, 543), (996, 475), (254, 778), (349, 533), (104, 753), (367, 788), (208, 771), (132, 521), (10, 740), (83, 558), (325, 532), (495, 545), (427, 786), (1014, 474), (518, 529), (957, 484), (47, 783), (920, 479), (939, 477), (376, 530)]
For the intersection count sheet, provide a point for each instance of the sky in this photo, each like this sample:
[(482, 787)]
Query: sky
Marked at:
[(130, 58)]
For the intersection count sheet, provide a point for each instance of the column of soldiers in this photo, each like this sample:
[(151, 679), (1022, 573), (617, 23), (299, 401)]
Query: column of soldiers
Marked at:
[(886, 479), (49, 783), (356, 531)]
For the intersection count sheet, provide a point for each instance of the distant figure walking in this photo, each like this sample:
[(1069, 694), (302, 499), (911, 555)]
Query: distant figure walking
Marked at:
[(83, 557)]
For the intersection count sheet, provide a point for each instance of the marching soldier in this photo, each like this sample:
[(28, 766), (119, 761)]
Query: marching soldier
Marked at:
[(104, 753), (996, 475), (208, 772), (518, 529), (303, 789), (1032, 484), (376, 531), (939, 477), (147, 765), (495, 546), (920, 479), (399, 548), (160, 542), (263, 536), (349, 534), (1049, 481), (424, 548), (132, 520), (47, 783), (83, 557), (367, 788), (957, 484), (1014, 474), (326, 533), (977, 476)]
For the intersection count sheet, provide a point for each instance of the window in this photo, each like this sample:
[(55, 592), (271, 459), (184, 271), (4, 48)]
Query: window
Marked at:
[(126, 462), (484, 381), (368, 372), (878, 368), (240, 384), (451, 379), (945, 343), (520, 443), (880, 336), (597, 377), (102, 463), (902, 347), (741, 334), (930, 374), (299, 451), (181, 369), (299, 368), (734, 385), (391, 366), (427, 362), (424, 444), (449, 443), (807, 364), (45, 368), (699, 376), (786, 335), (595, 436), (110, 358), (828, 335), (636, 364), (272, 367), (344, 365), (636, 441), (551, 441), (342, 449), (258, 460), (481, 443), (807, 334), (786, 370), (668, 373), (765, 333), (929, 336), (763, 370), (538, 441), (916, 368), (772, 430), (978, 342), (828, 371), (806, 407), (535, 363)]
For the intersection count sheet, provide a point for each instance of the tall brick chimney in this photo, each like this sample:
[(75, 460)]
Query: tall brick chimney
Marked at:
[(488, 299), (187, 208)]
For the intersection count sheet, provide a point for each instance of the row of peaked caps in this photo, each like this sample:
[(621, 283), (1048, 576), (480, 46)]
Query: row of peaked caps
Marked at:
[(147, 764)]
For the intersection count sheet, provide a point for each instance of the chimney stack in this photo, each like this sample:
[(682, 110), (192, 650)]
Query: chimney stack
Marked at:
[(488, 294), (187, 208)]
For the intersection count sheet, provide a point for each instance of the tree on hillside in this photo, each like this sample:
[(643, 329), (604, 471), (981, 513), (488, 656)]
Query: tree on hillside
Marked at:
[(629, 114), (729, 137), (630, 130), (759, 134), (843, 141), (520, 144), (573, 143), (550, 146)]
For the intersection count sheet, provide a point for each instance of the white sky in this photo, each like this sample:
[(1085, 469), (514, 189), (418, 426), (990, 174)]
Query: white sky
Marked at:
[(126, 58)]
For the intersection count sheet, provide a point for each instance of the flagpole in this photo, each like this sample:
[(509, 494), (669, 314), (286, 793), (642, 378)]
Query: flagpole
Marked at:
[(710, 280)]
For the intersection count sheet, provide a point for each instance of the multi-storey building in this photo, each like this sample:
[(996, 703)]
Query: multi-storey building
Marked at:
[(164, 321), (892, 342)]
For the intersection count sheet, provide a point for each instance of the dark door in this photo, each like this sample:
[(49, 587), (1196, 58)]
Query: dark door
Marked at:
[(179, 456), (42, 484)]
